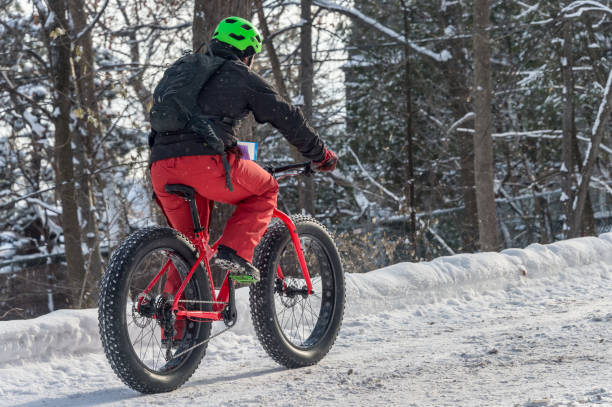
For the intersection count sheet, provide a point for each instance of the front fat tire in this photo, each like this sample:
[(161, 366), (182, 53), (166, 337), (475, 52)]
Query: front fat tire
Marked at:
[(266, 259), (112, 306)]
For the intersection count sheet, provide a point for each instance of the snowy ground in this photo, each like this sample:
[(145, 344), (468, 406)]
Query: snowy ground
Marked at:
[(526, 327)]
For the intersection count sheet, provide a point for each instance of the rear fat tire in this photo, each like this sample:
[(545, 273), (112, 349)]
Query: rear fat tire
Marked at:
[(266, 259), (112, 311)]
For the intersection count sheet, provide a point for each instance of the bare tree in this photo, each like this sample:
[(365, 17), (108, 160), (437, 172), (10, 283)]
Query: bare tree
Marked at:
[(59, 44), (455, 73), (484, 174), (569, 127), (272, 54), (87, 134), (306, 193), (409, 151), (207, 14)]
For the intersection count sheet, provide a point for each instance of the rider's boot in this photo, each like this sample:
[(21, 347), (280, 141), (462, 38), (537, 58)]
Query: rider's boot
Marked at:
[(240, 270)]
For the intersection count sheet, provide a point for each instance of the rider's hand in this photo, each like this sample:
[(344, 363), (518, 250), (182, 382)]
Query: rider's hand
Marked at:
[(328, 163)]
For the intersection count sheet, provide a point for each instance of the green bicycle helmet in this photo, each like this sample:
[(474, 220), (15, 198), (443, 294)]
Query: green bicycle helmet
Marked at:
[(240, 34)]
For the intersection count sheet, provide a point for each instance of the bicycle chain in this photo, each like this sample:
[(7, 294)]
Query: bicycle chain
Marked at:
[(203, 302), (200, 344)]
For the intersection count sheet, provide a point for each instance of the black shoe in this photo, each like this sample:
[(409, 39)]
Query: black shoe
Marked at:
[(240, 269)]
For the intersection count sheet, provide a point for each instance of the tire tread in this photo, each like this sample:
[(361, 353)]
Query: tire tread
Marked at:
[(109, 306), (262, 322)]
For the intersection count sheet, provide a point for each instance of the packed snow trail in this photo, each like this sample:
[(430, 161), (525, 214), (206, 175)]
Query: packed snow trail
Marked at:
[(526, 327)]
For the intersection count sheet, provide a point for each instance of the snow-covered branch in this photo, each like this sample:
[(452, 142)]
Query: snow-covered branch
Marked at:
[(606, 187), (131, 29), (45, 205), (10, 88), (528, 9), (459, 122), (541, 134), (577, 8), (437, 237), (545, 134), (368, 176), (598, 131), (443, 56), (603, 106), (603, 147), (285, 29), (89, 26)]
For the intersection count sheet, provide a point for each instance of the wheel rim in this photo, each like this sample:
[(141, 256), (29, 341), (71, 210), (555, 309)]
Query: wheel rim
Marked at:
[(303, 319), (145, 332)]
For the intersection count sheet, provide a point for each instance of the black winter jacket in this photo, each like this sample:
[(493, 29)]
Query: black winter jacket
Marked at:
[(232, 92)]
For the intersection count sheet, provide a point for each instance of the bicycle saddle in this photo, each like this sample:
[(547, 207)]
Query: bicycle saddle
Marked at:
[(184, 191)]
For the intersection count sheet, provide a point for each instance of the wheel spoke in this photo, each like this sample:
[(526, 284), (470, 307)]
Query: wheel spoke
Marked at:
[(317, 262), (302, 321), (145, 332)]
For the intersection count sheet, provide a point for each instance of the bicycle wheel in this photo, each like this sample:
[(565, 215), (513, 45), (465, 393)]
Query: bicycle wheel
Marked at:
[(296, 328), (148, 349)]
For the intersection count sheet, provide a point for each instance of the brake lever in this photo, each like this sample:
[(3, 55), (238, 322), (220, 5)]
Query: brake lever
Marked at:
[(308, 171)]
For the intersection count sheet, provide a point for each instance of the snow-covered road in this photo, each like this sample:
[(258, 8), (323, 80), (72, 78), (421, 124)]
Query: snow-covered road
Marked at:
[(526, 327)]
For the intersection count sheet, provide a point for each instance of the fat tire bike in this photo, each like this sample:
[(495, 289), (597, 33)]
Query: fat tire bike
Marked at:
[(158, 300)]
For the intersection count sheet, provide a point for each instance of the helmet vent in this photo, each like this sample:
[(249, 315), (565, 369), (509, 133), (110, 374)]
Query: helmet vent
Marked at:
[(237, 37), (215, 34), (246, 26), (258, 38), (230, 20)]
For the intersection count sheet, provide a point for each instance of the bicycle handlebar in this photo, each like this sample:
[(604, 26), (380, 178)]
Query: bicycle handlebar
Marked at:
[(306, 166)]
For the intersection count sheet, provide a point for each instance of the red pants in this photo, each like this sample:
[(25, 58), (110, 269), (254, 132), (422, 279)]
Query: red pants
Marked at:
[(254, 195)]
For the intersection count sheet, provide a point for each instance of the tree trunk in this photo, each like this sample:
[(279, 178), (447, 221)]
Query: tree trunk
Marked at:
[(455, 72), (59, 49), (206, 16), (484, 174), (272, 55), (588, 227), (208, 13), (306, 193), (145, 97), (87, 134), (567, 171), (409, 169)]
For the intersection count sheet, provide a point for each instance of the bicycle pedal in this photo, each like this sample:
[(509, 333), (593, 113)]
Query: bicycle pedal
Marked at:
[(243, 279)]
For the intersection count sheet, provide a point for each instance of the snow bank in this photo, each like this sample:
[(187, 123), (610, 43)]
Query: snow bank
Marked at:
[(64, 331), (467, 275), (398, 286)]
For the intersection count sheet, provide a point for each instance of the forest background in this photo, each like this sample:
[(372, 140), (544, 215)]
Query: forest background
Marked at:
[(460, 126)]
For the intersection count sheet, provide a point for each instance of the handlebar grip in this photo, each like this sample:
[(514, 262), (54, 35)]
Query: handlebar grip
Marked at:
[(305, 165)]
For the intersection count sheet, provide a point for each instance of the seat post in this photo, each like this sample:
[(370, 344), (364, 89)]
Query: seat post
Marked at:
[(197, 228)]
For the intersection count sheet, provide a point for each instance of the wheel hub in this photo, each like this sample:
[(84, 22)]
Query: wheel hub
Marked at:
[(142, 310), (162, 306), (289, 295)]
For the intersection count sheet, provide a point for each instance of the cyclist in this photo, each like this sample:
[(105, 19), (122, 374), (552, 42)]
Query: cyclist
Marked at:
[(228, 96)]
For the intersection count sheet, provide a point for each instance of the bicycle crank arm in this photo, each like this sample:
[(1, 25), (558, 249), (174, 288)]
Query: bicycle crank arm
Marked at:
[(230, 314)]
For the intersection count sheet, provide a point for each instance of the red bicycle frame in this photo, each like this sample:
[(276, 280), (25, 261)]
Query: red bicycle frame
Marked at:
[(221, 299)]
